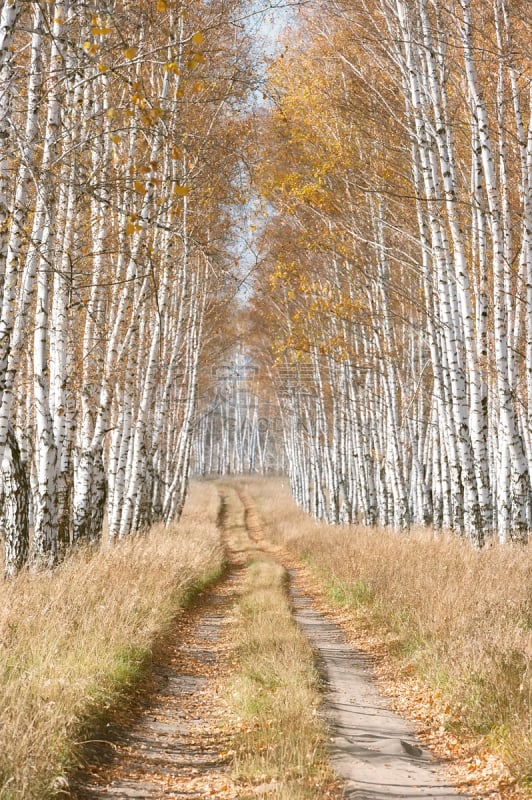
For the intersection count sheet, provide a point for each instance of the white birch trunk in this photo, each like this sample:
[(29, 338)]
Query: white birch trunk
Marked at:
[(45, 549), (520, 473)]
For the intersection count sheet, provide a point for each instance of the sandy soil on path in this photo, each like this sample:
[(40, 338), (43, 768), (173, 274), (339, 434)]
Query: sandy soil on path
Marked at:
[(373, 749)]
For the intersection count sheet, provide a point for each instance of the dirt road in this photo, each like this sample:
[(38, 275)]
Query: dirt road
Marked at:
[(175, 742)]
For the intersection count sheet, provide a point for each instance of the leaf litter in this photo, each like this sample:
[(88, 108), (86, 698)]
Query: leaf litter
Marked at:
[(179, 743)]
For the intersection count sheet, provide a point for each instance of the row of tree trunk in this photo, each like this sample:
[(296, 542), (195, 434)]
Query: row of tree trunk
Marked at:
[(113, 215), (237, 429), (398, 271)]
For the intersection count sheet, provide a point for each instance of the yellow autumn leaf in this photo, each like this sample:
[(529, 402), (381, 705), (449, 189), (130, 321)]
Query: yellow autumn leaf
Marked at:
[(91, 48), (198, 38), (139, 187), (161, 5), (146, 119), (130, 52), (181, 191), (172, 67), (130, 228)]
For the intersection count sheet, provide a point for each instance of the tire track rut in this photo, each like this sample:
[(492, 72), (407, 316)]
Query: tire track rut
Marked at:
[(173, 741), (373, 749)]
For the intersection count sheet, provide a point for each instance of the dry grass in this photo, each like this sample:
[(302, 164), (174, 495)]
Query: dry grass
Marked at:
[(275, 692), (72, 641), (460, 618)]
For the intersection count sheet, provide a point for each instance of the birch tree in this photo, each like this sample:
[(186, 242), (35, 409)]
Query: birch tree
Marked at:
[(111, 123), (391, 169)]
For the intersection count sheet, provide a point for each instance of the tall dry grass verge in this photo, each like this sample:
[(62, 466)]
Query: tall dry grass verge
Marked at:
[(459, 617), (72, 641), (275, 692)]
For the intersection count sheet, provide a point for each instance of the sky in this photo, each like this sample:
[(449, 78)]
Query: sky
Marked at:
[(269, 23), (265, 23)]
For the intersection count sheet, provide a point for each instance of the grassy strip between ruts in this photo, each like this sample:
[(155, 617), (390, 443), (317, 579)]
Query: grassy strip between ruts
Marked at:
[(454, 618), (280, 743), (74, 641)]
